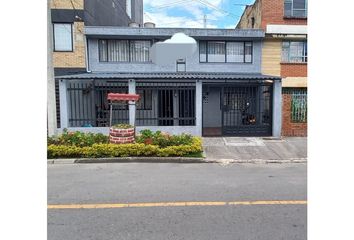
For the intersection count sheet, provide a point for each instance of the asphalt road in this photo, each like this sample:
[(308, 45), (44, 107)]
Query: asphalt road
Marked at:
[(115, 183)]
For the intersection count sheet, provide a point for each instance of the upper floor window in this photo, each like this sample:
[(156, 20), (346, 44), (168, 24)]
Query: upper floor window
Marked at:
[(124, 50), (295, 8), (222, 51), (128, 8), (294, 51), (63, 37)]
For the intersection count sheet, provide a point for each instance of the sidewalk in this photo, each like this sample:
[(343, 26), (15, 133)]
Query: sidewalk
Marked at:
[(253, 148)]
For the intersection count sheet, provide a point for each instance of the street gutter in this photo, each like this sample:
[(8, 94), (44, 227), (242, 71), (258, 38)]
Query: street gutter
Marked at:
[(171, 160)]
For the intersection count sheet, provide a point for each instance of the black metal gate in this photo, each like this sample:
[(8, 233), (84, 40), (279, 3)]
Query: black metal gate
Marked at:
[(247, 110)]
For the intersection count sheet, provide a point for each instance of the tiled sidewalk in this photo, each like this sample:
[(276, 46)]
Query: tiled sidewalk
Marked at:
[(250, 148)]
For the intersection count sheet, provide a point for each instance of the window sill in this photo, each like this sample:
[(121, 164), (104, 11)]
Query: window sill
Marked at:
[(293, 17), (293, 63)]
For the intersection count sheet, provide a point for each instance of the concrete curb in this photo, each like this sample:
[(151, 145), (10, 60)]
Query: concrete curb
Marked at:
[(171, 160)]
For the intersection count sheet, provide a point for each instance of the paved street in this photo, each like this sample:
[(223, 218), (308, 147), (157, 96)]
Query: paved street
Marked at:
[(209, 188)]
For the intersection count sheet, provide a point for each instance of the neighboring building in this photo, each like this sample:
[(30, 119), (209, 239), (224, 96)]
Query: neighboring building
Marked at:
[(284, 53), (217, 91), (69, 18)]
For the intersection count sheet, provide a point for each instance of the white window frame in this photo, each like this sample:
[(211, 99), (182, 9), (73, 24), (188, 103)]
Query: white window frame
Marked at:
[(292, 9)]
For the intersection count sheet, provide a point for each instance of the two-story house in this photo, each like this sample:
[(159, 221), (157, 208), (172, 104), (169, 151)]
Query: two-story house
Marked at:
[(68, 20), (284, 54), (218, 90)]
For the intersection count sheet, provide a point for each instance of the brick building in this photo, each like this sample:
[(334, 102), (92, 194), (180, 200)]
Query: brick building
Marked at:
[(69, 18), (284, 54)]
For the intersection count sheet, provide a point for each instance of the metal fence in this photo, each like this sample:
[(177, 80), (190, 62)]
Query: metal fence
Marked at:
[(166, 104), (161, 104), (88, 105)]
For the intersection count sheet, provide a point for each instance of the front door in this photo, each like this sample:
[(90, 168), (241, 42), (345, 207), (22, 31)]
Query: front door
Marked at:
[(246, 110)]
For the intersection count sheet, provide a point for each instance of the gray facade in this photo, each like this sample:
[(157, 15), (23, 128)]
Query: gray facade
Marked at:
[(112, 13), (225, 98)]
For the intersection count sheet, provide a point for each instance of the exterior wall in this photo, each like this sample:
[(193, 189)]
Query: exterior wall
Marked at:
[(67, 4), (106, 13), (294, 69), (273, 13), (290, 128), (271, 56), (75, 59), (251, 11), (267, 12), (192, 63)]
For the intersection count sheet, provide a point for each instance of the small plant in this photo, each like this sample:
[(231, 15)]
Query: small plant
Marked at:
[(79, 139), (122, 126), (163, 139)]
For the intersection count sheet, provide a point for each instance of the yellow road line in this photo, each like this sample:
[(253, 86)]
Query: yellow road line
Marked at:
[(172, 204)]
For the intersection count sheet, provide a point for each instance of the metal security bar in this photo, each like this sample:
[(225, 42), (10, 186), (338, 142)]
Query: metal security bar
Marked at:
[(166, 104), (299, 105), (246, 110), (88, 105)]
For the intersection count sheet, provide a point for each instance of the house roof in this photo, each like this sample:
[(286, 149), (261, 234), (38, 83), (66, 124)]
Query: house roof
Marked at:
[(205, 33), (173, 75)]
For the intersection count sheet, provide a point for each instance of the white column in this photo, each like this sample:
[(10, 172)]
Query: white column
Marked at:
[(64, 111), (51, 104), (198, 106), (277, 109), (132, 107)]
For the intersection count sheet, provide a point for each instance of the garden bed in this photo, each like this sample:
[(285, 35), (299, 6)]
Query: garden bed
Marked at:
[(148, 144)]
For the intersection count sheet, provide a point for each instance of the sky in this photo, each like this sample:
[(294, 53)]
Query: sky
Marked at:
[(190, 13)]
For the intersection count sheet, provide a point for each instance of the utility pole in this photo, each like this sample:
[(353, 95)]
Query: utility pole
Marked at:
[(51, 104), (205, 20)]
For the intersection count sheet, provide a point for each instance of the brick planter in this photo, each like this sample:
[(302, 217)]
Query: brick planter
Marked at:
[(119, 136)]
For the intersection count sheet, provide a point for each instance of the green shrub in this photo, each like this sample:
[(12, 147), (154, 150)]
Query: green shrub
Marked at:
[(79, 139), (124, 150), (122, 126), (163, 139)]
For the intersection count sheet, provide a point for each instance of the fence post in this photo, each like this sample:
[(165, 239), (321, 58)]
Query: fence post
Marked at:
[(132, 106), (63, 96), (277, 109)]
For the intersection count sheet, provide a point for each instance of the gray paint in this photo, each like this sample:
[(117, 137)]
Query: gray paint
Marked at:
[(67, 15), (111, 13), (277, 109), (161, 33), (64, 117), (211, 107), (192, 63)]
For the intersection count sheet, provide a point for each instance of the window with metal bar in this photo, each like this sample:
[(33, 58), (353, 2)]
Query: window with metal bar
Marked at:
[(225, 51), (299, 106), (295, 8), (294, 51), (123, 50)]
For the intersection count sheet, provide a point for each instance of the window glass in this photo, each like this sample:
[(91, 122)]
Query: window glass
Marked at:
[(102, 45), (248, 52), (216, 51), (118, 51), (62, 37), (129, 7), (202, 51), (235, 51), (294, 51), (139, 51)]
